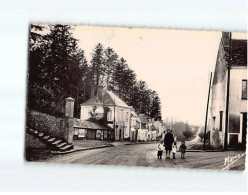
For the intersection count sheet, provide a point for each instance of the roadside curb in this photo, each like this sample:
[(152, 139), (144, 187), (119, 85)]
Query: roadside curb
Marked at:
[(205, 150), (126, 144), (81, 149), (96, 147)]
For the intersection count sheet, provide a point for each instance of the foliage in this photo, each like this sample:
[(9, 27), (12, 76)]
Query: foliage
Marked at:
[(201, 135), (58, 69), (182, 131), (188, 134)]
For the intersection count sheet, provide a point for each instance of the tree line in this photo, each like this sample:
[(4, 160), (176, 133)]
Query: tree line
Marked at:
[(58, 69)]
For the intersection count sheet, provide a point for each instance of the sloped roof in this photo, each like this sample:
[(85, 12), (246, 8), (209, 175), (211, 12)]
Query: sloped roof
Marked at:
[(143, 118), (78, 123), (109, 98), (116, 99), (239, 52)]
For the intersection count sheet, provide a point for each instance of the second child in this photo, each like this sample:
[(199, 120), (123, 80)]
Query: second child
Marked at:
[(174, 149), (160, 149), (182, 149)]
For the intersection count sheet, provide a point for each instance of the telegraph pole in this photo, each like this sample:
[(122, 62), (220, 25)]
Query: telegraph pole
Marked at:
[(114, 122), (206, 119)]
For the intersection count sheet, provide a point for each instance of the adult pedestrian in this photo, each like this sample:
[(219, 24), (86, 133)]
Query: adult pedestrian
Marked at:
[(168, 141)]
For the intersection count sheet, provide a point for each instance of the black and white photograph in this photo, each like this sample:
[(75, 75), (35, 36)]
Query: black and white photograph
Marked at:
[(136, 96), (126, 96)]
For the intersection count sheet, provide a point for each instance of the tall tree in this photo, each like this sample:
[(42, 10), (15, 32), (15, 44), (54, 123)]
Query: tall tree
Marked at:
[(97, 65), (110, 61), (56, 60)]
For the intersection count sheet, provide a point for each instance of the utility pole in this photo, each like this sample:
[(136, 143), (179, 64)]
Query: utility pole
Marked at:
[(227, 90), (114, 122), (206, 119)]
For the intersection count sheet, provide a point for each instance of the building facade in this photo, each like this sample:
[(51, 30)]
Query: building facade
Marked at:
[(143, 128), (134, 126), (237, 98), (160, 128), (109, 109)]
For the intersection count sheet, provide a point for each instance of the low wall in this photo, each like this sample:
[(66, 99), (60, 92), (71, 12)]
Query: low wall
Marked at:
[(46, 124), (33, 143)]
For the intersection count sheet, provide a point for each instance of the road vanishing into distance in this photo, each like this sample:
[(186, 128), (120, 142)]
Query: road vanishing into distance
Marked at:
[(146, 155)]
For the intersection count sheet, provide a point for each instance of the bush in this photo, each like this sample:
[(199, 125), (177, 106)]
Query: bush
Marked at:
[(188, 134), (201, 135)]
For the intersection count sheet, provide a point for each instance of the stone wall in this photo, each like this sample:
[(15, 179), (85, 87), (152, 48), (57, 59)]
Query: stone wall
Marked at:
[(46, 124), (33, 143)]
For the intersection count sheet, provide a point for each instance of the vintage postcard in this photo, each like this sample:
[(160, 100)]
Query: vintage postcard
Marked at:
[(136, 97)]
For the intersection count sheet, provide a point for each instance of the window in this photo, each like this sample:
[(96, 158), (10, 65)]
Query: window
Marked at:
[(214, 123), (244, 90), (221, 119), (127, 116), (109, 116), (118, 116), (122, 116)]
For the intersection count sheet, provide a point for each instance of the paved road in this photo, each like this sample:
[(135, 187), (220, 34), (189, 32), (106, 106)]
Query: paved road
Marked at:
[(146, 155)]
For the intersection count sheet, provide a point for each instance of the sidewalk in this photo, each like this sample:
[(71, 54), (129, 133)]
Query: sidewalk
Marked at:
[(81, 145)]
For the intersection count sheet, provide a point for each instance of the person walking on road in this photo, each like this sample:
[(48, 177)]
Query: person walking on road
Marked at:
[(168, 141)]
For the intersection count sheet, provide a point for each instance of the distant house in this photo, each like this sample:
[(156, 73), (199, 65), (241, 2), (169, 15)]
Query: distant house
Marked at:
[(160, 128), (237, 114), (105, 107), (143, 128), (134, 126)]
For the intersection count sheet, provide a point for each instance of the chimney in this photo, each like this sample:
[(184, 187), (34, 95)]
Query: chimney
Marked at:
[(225, 39), (99, 93)]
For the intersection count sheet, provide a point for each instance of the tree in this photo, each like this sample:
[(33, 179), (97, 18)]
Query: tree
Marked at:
[(187, 134), (201, 135), (97, 65), (110, 61), (155, 108), (55, 68)]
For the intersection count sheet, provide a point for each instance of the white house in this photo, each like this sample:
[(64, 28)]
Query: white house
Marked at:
[(237, 104), (109, 107), (143, 128)]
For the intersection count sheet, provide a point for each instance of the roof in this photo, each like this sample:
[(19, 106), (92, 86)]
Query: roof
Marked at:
[(133, 113), (109, 98), (238, 52), (78, 123), (116, 99), (143, 118)]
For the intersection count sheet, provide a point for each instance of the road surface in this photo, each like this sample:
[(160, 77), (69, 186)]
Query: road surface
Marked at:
[(146, 155)]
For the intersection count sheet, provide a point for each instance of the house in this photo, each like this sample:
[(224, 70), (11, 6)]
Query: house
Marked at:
[(152, 131), (107, 108), (236, 102), (143, 128), (134, 126), (160, 128), (84, 129)]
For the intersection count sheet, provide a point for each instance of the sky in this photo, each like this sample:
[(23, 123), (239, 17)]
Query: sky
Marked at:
[(175, 63)]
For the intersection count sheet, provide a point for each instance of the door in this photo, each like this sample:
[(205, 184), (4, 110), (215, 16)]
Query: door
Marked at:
[(244, 129)]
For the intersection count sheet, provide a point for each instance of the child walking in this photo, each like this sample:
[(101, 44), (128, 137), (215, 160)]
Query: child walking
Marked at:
[(182, 148), (174, 149), (160, 149)]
